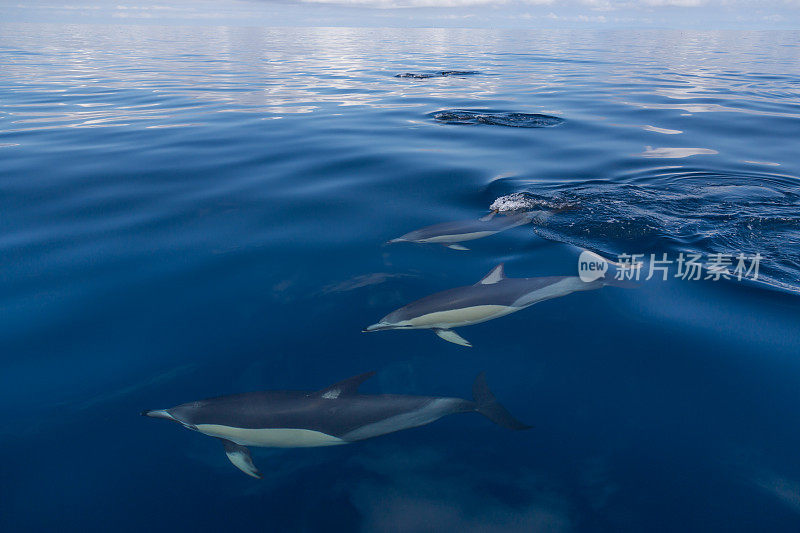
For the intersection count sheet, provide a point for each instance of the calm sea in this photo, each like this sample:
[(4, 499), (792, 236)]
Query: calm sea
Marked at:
[(189, 212)]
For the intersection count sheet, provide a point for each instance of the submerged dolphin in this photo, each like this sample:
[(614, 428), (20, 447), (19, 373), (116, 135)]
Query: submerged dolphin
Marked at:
[(334, 415), (492, 297), (450, 233)]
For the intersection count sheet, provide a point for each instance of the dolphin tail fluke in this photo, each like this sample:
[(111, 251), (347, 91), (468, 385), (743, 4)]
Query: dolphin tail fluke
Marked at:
[(451, 336), (487, 405), (457, 247), (240, 457)]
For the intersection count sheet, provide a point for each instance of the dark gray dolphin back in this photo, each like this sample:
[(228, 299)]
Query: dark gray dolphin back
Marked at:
[(460, 227), (335, 410)]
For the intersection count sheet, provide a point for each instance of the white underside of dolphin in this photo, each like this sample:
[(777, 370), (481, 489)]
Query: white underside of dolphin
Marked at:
[(306, 438)]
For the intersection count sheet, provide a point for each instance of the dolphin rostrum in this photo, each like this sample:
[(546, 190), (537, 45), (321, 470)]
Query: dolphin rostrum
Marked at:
[(492, 297), (450, 233), (337, 414)]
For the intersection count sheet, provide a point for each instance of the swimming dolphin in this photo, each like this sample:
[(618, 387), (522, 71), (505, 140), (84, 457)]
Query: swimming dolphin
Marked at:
[(450, 233), (334, 415), (492, 297)]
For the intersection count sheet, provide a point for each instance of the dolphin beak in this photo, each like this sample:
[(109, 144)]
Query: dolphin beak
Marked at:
[(399, 239), (158, 413), (376, 327)]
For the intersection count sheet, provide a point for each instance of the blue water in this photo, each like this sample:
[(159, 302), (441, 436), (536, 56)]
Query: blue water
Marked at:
[(189, 212)]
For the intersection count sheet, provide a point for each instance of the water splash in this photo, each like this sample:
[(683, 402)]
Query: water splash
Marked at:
[(522, 202)]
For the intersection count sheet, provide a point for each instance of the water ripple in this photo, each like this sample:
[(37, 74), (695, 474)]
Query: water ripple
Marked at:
[(497, 118), (693, 211)]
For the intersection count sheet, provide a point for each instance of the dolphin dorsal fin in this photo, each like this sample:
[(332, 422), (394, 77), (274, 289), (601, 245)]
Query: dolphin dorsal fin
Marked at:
[(344, 388), (494, 276)]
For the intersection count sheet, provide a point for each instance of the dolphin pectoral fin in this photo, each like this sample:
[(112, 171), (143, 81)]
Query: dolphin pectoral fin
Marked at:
[(457, 247), (451, 336), (240, 457)]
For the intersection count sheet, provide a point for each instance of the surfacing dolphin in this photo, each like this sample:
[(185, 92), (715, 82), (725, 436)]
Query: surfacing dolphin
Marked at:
[(451, 233), (492, 297), (337, 414)]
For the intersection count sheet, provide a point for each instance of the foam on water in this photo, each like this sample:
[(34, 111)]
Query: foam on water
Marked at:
[(698, 212), (522, 201)]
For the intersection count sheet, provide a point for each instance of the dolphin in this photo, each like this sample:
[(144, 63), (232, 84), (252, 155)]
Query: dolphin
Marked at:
[(492, 297), (335, 415), (451, 233)]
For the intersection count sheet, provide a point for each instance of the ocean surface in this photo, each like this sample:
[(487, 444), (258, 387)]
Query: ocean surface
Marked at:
[(187, 212)]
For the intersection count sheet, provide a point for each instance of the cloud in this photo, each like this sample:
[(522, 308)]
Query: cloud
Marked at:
[(401, 4), (674, 3), (421, 13), (595, 5), (607, 5)]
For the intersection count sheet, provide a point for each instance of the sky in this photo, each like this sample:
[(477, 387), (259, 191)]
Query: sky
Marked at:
[(679, 14)]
